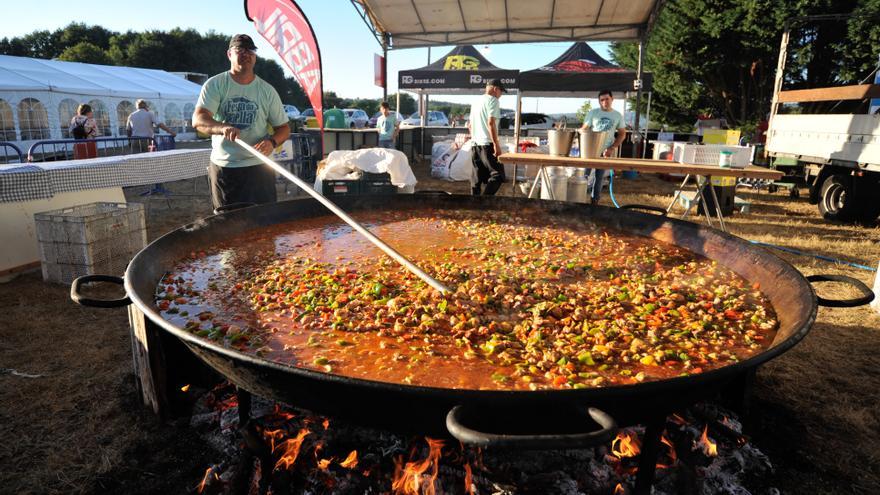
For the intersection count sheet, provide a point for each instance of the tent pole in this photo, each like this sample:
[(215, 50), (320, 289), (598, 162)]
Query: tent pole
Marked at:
[(517, 119), (638, 88), (647, 124), (385, 67), (425, 112), (625, 100)]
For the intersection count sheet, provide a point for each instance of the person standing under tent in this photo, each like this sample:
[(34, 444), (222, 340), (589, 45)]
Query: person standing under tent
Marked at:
[(141, 122), (387, 125), (237, 104), (603, 119), (83, 124), (483, 126)]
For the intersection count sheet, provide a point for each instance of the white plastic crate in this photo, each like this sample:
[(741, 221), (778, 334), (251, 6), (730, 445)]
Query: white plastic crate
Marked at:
[(89, 239), (709, 154)]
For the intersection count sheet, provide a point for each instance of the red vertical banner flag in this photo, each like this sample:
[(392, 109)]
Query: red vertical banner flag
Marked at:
[(379, 70), (285, 27)]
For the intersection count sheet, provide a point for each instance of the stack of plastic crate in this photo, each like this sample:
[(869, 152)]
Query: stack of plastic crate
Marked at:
[(96, 238)]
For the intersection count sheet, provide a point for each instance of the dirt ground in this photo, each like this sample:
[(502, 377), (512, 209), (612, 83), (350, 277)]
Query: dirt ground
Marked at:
[(71, 421)]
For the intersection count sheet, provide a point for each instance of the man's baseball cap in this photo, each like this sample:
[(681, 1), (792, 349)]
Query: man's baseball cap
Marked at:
[(243, 41), (497, 83)]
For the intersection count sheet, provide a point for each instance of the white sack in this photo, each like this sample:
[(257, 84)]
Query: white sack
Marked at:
[(462, 167)]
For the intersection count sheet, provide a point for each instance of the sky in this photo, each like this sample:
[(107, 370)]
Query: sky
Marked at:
[(347, 45)]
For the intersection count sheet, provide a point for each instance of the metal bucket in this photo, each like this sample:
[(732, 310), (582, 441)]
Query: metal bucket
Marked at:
[(577, 189), (559, 141), (591, 142), (558, 183)]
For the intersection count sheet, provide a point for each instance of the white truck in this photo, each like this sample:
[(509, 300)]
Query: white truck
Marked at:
[(838, 155)]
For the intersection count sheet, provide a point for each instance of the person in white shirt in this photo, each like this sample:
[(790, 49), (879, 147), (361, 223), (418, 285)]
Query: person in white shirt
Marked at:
[(483, 126), (141, 122)]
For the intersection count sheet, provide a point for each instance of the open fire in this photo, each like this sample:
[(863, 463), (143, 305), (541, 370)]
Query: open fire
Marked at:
[(284, 450)]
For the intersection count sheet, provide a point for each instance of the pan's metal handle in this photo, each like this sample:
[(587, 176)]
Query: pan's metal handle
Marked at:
[(233, 206), (867, 294), (457, 428), (97, 303), (657, 209)]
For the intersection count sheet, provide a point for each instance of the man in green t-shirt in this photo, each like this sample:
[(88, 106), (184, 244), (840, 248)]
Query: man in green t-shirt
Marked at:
[(604, 119), (239, 105), (483, 124)]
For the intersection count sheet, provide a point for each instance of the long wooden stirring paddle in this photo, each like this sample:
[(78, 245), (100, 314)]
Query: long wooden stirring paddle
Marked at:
[(409, 265)]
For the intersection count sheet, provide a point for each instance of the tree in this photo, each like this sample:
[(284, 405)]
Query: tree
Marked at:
[(407, 103), (583, 110), (86, 52), (720, 57)]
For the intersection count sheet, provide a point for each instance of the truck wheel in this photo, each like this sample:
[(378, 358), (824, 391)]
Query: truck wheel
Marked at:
[(837, 201)]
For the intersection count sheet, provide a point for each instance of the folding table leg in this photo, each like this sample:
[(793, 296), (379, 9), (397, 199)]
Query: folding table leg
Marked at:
[(717, 206), (538, 177), (678, 193), (548, 184)]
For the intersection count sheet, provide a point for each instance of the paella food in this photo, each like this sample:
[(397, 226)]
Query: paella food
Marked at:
[(533, 304)]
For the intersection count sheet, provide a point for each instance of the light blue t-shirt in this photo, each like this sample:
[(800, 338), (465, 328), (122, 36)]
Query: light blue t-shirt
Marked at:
[(487, 106), (601, 121), (252, 108), (386, 127)]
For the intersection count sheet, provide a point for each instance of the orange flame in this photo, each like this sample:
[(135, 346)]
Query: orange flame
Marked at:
[(468, 480), (272, 435), (326, 423), (205, 479), (323, 464), (710, 448), (625, 445), (351, 461), (185, 388), (673, 457), (283, 414), (619, 490), (408, 479), (291, 450)]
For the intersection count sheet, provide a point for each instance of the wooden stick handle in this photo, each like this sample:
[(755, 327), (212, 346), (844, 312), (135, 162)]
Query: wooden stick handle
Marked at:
[(409, 265)]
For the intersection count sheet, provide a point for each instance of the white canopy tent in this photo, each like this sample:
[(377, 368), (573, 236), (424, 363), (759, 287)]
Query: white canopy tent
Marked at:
[(39, 97), (400, 24)]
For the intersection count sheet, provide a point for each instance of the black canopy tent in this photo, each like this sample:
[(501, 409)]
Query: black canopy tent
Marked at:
[(463, 70), (580, 72)]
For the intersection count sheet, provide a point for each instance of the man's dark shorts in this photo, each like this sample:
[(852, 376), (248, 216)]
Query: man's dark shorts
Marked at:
[(254, 184), (489, 170)]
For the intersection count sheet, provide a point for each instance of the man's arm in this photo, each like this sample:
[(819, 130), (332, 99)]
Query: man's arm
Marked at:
[(203, 121), (621, 135), (493, 133), (282, 132), (166, 129)]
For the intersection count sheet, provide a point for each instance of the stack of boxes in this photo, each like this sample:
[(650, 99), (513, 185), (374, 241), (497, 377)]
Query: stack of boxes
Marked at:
[(96, 238)]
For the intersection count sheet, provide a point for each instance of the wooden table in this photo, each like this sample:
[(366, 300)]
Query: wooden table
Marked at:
[(645, 166)]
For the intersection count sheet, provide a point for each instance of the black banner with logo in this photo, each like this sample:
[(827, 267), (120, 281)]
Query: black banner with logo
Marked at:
[(463, 69)]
